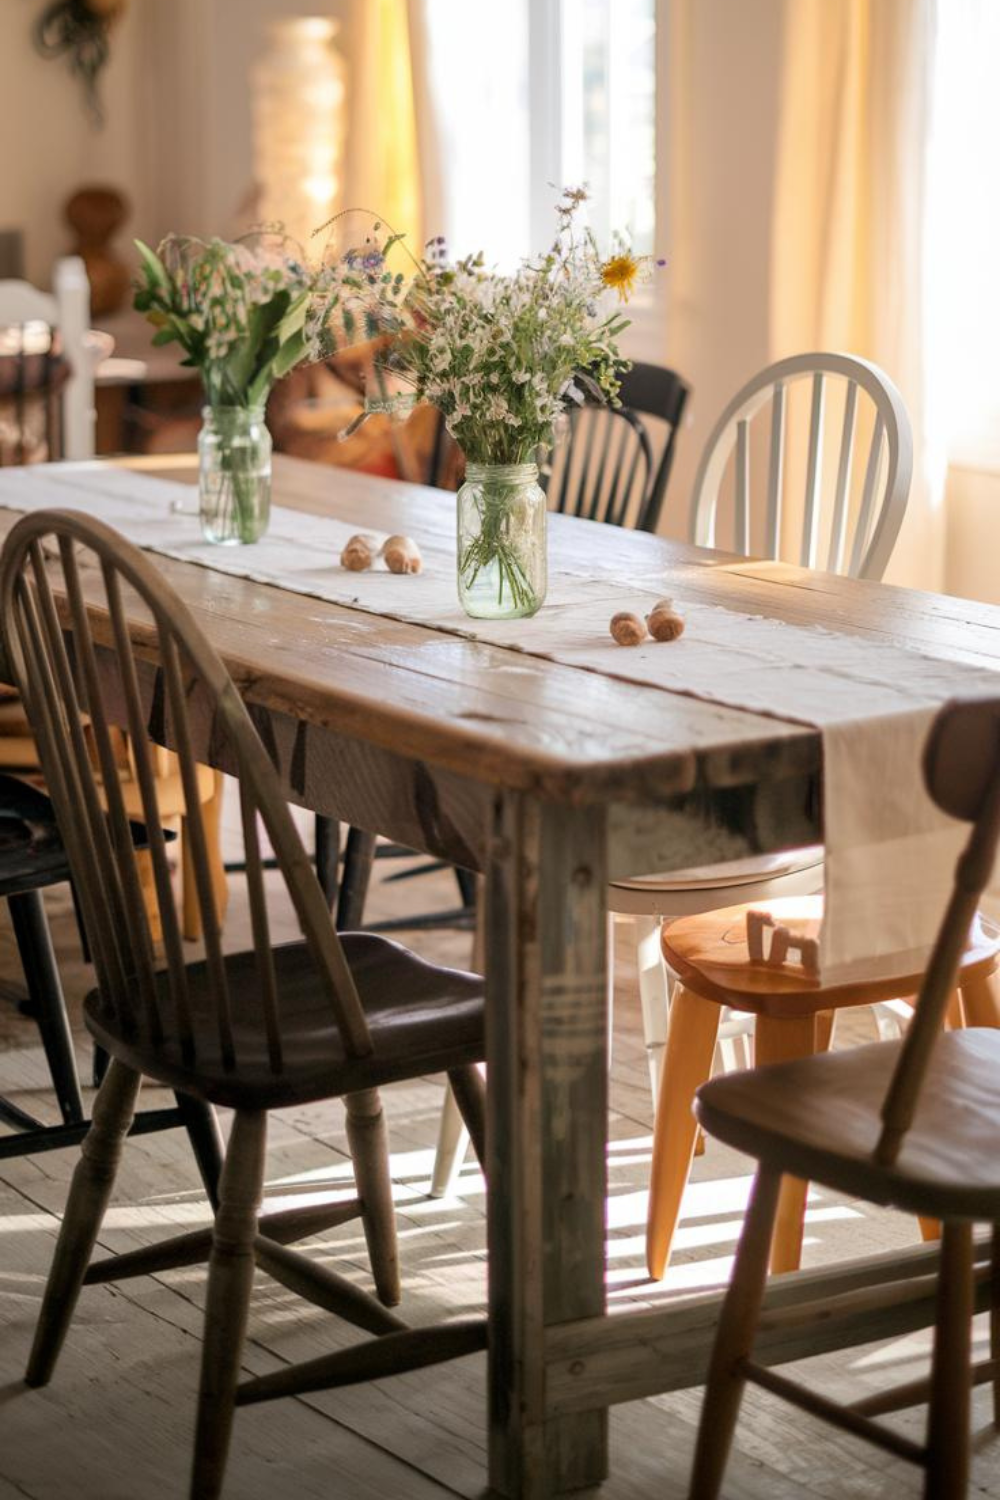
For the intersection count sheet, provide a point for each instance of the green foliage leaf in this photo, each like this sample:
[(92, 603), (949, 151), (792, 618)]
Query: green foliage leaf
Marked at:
[(156, 271)]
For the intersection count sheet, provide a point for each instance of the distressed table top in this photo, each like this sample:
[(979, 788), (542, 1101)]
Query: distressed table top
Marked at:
[(523, 722)]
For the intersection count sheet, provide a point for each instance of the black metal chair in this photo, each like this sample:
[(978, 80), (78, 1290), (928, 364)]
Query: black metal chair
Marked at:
[(32, 857), (614, 468)]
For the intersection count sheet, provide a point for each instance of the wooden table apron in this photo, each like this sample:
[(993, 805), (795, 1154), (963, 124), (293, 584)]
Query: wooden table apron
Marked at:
[(550, 780)]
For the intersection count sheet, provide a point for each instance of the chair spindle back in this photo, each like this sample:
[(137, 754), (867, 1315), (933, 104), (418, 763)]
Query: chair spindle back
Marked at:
[(846, 527), (74, 598), (615, 462)]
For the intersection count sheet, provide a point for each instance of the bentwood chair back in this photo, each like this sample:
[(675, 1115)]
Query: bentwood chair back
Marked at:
[(912, 1124), (848, 526), (615, 464), (286, 1025)]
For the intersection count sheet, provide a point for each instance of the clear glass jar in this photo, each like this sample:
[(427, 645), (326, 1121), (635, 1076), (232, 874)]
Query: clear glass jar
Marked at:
[(234, 474), (502, 534)]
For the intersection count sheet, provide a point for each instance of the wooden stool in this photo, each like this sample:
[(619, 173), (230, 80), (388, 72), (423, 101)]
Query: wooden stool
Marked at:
[(794, 1018)]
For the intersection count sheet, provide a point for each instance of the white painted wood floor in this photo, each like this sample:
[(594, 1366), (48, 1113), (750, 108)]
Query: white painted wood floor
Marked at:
[(116, 1422)]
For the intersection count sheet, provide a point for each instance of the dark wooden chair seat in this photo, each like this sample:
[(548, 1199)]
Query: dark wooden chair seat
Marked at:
[(422, 1019), (821, 1117)]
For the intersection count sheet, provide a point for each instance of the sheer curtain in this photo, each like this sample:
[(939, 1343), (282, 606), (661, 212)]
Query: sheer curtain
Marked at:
[(384, 157), (851, 261)]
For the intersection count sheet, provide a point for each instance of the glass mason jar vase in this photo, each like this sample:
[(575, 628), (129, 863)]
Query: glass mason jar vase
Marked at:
[(502, 563), (234, 473)]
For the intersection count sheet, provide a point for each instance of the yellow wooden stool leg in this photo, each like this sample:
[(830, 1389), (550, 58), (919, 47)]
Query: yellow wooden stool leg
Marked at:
[(147, 884), (691, 1036), (190, 909), (211, 813), (782, 1039)]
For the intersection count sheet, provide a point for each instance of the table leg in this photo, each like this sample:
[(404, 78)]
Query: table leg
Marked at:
[(547, 1130)]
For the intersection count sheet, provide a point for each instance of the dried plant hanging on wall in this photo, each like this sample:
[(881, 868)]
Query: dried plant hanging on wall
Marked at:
[(80, 31)]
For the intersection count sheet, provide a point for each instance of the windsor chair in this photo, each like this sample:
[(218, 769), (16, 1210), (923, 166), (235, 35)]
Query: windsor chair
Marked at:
[(315, 1019), (608, 469), (911, 1124), (44, 347), (848, 522)]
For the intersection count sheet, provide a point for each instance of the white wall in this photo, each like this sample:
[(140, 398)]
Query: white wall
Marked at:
[(204, 50), (718, 144), (176, 138), (50, 147)]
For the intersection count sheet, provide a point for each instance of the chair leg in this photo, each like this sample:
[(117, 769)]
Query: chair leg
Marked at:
[(654, 995), (951, 1371), (328, 857), (90, 1191), (34, 944), (981, 1003), (359, 858), (369, 1142), (452, 1144), (230, 1281), (469, 1089), (734, 1340), (202, 1126), (691, 1036), (782, 1039)]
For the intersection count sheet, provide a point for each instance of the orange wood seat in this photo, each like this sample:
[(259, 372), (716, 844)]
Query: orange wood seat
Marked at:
[(795, 1013)]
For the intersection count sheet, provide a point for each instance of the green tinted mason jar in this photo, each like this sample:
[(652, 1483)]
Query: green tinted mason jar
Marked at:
[(502, 537), (234, 474)]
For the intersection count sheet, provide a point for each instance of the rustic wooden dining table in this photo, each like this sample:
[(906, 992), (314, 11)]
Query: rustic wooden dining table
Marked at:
[(551, 779)]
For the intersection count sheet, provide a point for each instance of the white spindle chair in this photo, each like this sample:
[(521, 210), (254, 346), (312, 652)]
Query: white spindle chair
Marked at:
[(845, 528), (851, 514), (66, 310)]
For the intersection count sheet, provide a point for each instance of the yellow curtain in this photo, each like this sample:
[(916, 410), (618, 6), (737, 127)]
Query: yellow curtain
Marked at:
[(849, 243), (383, 169)]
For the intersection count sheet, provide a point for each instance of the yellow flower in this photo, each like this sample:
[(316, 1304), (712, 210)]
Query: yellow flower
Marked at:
[(622, 273)]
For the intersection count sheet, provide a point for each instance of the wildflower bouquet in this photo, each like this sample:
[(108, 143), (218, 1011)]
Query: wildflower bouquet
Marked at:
[(237, 310), (503, 357), (245, 314)]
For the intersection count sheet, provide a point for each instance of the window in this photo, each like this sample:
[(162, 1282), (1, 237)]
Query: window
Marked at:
[(535, 95), (608, 115)]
